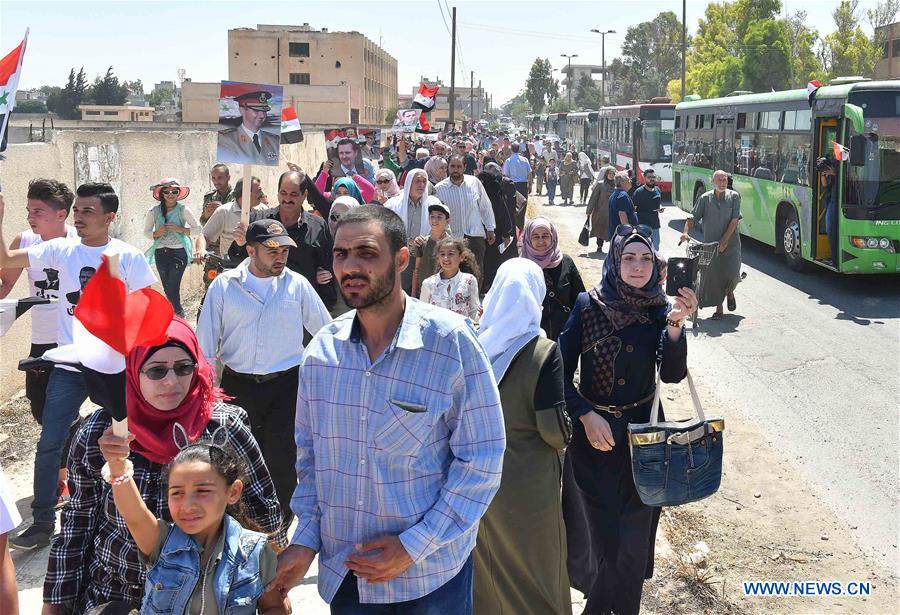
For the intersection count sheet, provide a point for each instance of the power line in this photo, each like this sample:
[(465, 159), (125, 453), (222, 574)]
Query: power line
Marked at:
[(444, 19), (462, 60)]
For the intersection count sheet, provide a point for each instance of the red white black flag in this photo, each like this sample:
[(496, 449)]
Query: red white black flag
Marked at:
[(290, 126), (424, 99)]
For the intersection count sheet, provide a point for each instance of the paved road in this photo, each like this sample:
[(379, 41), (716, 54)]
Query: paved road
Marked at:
[(814, 360)]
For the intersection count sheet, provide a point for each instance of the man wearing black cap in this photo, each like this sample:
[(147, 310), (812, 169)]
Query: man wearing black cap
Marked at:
[(247, 143), (252, 322)]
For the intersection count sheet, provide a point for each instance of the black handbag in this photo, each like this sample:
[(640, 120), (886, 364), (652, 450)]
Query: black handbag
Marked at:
[(584, 236), (676, 462)]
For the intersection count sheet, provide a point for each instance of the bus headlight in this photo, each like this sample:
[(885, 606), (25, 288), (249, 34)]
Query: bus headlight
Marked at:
[(873, 243)]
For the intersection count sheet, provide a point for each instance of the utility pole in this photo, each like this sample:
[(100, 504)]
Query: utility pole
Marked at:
[(683, 42), (603, 60), (471, 95), (453, 66), (574, 55), (481, 101)]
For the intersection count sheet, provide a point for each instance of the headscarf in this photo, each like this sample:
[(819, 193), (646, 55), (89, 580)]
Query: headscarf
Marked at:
[(622, 303), (152, 427), (350, 185), (512, 312), (584, 159), (434, 164), (400, 203), (346, 201), (393, 188), (545, 259), (494, 169)]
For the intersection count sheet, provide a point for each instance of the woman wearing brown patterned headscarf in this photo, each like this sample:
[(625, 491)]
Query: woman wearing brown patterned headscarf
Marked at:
[(621, 331)]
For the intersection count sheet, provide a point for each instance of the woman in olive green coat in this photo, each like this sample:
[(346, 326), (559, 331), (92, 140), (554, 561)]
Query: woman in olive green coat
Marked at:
[(520, 556), (598, 204)]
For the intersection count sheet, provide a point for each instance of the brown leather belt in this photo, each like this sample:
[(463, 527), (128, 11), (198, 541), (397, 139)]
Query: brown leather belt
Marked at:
[(257, 378), (617, 411)]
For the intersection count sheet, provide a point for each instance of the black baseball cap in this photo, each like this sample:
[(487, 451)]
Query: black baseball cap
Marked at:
[(270, 233)]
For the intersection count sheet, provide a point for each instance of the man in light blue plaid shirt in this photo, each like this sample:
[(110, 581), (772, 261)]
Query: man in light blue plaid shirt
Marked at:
[(400, 439)]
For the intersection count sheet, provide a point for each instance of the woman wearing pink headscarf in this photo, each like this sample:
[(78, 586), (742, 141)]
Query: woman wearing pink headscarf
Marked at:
[(540, 243), (385, 187)]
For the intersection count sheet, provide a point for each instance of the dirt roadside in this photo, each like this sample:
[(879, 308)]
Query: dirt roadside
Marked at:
[(764, 524)]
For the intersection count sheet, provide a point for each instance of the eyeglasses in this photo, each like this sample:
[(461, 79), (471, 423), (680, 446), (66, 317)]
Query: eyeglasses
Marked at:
[(382, 181), (172, 192), (624, 230), (159, 372), (334, 217)]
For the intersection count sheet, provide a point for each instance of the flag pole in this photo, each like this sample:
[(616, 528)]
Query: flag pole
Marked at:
[(120, 428), (246, 180)]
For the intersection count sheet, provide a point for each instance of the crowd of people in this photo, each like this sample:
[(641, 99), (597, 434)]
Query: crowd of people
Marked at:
[(391, 364)]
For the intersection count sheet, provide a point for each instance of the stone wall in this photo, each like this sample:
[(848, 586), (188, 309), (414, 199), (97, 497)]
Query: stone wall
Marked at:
[(132, 161)]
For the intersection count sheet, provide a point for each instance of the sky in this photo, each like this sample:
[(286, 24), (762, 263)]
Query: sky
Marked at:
[(497, 40)]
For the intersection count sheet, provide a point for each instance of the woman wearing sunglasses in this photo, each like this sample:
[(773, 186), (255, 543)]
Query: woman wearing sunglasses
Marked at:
[(619, 333), (94, 561), (385, 187), (171, 225)]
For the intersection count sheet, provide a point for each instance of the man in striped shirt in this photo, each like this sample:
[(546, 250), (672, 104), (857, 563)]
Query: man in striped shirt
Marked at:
[(470, 208), (400, 439)]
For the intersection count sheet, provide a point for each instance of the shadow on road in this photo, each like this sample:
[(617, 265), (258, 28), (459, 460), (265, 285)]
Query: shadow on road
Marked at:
[(862, 299), (716, 328)]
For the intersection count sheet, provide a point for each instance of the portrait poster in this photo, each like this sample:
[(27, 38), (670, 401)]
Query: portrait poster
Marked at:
[(406, 121), (343, 149), (249, 123)]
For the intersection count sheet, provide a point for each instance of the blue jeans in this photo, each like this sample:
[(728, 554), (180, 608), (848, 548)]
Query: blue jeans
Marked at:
[(551, 190), (65, 394), (452, 598), (655, 238), (171, 263)]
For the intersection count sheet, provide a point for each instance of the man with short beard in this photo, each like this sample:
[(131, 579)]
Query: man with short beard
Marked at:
[(252, 324), (310, 255), (470, 208), (400, 439), (221, 193)]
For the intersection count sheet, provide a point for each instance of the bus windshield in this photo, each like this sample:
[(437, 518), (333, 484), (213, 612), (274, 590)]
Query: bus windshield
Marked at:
[(656, 140), (876, 184)]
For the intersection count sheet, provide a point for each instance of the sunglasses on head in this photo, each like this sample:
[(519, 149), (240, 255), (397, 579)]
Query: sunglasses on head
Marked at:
[(624, 230), (172, 192), (158, 372)]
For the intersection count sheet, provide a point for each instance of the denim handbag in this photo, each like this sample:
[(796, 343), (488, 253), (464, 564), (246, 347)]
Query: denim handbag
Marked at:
[(676, 462)]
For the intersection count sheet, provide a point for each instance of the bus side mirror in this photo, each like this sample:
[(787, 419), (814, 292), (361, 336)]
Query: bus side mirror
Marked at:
[(857, 150)]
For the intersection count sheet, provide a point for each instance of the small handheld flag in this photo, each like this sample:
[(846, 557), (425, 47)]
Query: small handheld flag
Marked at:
[(290, 126), (11, 309), (840, 152), (425, 97)]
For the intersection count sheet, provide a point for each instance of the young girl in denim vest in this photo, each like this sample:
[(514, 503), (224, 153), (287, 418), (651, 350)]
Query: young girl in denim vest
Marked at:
[(206, 561)]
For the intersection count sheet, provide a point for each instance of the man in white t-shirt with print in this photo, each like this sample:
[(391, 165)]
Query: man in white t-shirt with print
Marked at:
[(94, 210), (49, 202)]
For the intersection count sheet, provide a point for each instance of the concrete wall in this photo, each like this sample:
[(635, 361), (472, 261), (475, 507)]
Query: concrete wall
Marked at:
[(132, 161)]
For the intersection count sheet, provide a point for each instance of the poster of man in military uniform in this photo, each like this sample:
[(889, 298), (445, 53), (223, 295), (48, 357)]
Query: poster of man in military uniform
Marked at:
[(250, 123)]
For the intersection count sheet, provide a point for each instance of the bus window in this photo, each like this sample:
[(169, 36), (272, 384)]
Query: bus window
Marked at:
[(656, 141), (766, 157), (794, 153), (804, 119)]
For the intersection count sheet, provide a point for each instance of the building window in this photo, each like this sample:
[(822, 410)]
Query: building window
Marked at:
[(298, 50), (92, 113), (300, 78), (110, 113), (884, 50), (896, 47)]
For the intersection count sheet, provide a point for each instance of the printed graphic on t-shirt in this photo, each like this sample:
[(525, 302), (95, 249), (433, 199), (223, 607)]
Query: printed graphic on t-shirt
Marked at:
[(48, 288), (84, 276)]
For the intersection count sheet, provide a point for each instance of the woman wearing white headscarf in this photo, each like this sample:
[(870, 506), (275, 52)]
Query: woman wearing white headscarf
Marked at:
[(520, 553), (412, 207), (385, 187)]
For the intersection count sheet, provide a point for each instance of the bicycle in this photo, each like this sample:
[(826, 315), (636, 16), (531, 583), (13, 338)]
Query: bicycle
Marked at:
[(705, 253)]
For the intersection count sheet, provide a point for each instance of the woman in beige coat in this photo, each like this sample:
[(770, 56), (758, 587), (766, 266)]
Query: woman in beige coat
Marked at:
[(598, 205)]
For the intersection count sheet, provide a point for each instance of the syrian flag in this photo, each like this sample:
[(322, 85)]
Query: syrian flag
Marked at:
[(10, 309), (10, 70), (840, 152), (424, 99), (290, 126), (109, 323), (811, 88)]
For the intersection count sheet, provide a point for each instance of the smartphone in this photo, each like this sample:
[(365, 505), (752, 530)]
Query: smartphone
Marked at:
[(680, 273)]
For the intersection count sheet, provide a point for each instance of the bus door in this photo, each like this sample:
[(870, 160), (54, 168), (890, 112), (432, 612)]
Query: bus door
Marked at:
[(723, 155), (826, 133)]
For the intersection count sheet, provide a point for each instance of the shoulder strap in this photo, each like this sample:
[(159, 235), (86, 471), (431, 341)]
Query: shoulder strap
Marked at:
[(698, 407)]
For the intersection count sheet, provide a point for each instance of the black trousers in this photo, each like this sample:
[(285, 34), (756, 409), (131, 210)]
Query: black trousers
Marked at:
[(585, 185), (271, 406), (521, 188)]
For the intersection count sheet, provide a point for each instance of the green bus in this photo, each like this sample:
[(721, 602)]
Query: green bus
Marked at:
[(769, 143)]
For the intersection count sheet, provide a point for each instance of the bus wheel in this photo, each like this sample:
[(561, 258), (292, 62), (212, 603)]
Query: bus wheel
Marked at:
[(790, 241)]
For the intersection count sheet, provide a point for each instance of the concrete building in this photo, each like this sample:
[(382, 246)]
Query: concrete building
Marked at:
[(888, 65), (468, 103), (308, 58), (113, 113)]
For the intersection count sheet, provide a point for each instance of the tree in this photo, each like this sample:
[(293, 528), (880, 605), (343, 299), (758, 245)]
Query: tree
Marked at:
[(107, 90), (848, 51), (560, 105), (389, 117), (541, 87), (53, 93), (587, 93), (651, 56), (134, 88), (160, 95), (67, 104), (767, 57), (30, 106), (804, 65)]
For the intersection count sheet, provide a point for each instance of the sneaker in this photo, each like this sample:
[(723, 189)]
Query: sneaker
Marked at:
[(62, 488), (35, 537)]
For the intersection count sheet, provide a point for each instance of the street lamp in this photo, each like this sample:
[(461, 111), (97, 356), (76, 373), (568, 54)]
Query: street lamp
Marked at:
[(603, 58), (574, 55)]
